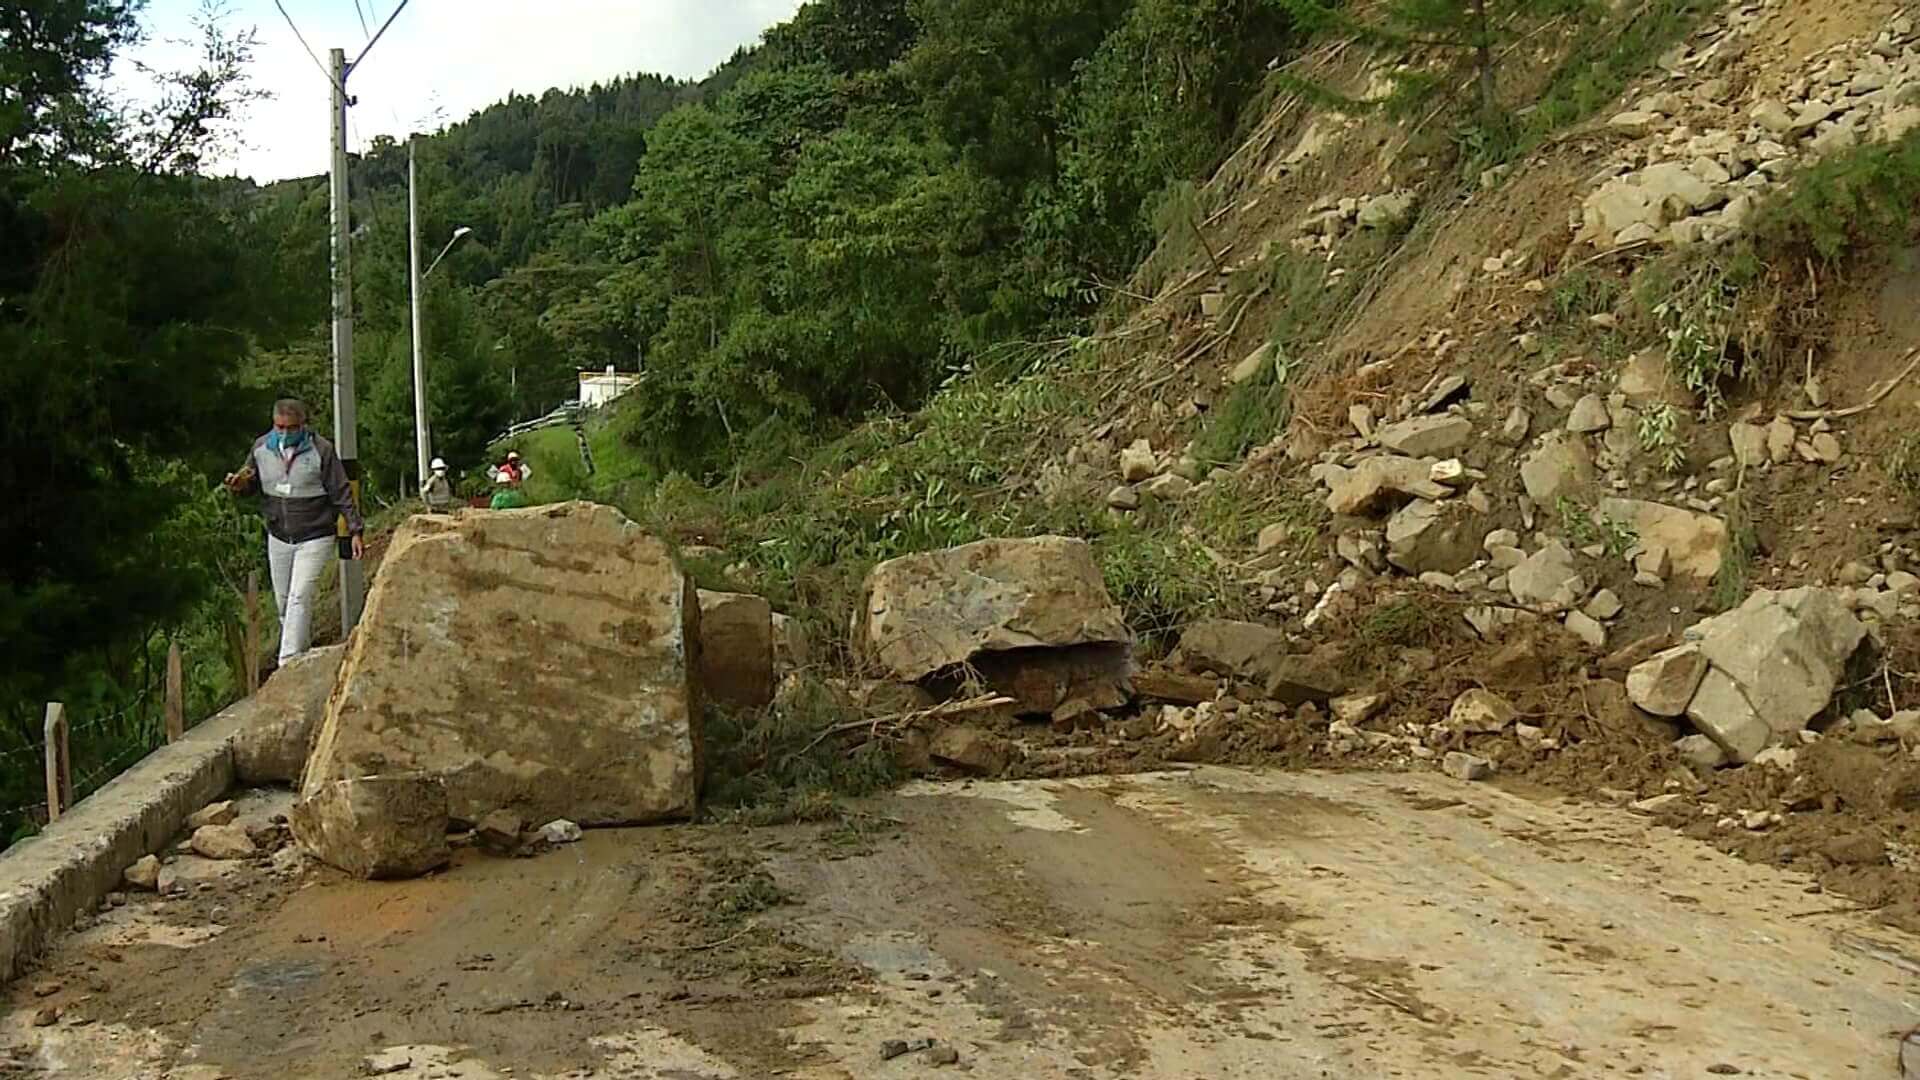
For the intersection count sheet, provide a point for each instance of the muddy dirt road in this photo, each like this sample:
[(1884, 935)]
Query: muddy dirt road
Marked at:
[(1210, 923)]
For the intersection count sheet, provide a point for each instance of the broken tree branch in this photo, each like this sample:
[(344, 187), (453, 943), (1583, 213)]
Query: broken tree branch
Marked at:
[(902, 721), (1878, 396)]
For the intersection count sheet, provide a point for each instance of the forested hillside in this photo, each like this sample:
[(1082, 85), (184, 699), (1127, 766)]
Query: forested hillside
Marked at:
[(830, 224)]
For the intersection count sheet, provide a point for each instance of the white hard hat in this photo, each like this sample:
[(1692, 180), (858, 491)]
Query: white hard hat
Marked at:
[(438, 465)]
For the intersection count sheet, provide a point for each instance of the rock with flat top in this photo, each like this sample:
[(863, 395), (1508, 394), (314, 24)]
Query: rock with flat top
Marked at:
[(543, 660), (1226, 647), (375, 826), (499, 832), (1426, 436), (1357, 708), (220, 813), (1155, 684), (972, 749), (1123, 497), (1665, 683)]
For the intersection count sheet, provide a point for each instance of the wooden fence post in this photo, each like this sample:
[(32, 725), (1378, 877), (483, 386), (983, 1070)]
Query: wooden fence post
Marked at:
[(251, 653), (55, 732), (176, 695)]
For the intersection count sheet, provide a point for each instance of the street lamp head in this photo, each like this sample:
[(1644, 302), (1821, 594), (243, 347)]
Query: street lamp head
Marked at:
[(460, 232)]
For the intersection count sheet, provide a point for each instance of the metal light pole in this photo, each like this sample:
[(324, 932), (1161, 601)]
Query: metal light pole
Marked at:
[(414, 280), (346, 438)]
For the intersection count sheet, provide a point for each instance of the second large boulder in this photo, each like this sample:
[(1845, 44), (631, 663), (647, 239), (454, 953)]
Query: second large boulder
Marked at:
[(1032, 616)]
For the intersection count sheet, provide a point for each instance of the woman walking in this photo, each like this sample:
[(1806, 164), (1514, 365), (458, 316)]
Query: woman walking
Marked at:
[(303, 488)]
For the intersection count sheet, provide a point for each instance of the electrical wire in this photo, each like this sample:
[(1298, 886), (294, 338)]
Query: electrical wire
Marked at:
[(362, 16), (376, 38), (302, 39)]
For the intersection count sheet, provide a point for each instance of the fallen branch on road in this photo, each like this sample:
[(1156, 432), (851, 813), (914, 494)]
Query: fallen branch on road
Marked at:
[(898, 722)]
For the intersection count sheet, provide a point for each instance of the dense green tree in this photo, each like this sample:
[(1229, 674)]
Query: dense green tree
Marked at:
[(131, 292)]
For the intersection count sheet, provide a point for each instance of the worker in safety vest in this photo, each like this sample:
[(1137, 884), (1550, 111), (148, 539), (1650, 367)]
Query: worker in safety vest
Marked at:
[(437, 492)]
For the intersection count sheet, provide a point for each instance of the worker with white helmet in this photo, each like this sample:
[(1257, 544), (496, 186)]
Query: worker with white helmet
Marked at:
[(437, 490)]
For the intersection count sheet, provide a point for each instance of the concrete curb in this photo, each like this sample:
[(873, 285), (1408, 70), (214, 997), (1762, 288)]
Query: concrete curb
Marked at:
[(71, 866)]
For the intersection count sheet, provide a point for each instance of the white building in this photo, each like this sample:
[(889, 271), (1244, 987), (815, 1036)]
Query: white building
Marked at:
[(599, 388)]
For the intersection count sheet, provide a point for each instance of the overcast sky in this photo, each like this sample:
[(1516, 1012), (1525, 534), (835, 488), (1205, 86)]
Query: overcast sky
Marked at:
[(443, 59)]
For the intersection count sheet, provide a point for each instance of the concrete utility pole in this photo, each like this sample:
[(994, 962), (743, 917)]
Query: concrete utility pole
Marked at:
[(413, 292), (346, 436)]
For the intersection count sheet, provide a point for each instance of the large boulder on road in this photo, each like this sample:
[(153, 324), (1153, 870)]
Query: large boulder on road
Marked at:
[(1032, 616), (271, 746), (540, 660)]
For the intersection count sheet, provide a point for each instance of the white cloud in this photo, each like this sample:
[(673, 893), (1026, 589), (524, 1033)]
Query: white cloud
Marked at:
[(443, 59)]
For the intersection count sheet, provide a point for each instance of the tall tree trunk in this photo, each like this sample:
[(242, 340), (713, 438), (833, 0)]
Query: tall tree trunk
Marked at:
[(1484, 48)]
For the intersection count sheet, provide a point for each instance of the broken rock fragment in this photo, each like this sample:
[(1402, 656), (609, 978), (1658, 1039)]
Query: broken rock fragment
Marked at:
[(375, 826), (736, 649), (1428, 536), (1665, 683), (223, 842), (1381, 483), (1426, 436), (1693, 542), (1547, 579), (1562, 465), (1481, 712)]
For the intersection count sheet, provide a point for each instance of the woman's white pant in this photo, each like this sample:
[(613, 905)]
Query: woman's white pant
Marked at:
[(296, 571)]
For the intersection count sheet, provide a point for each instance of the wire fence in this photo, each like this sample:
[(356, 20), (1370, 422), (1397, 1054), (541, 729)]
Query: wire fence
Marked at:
[(107, 743)]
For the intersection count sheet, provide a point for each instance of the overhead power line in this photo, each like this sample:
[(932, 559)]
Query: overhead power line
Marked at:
[(361, 14), (302, 39), (376, 38)]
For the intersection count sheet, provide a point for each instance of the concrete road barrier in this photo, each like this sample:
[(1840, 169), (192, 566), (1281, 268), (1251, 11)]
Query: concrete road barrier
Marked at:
[(48, 880)]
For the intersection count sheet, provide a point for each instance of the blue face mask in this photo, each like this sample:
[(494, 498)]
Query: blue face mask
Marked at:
[(288, 442)]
